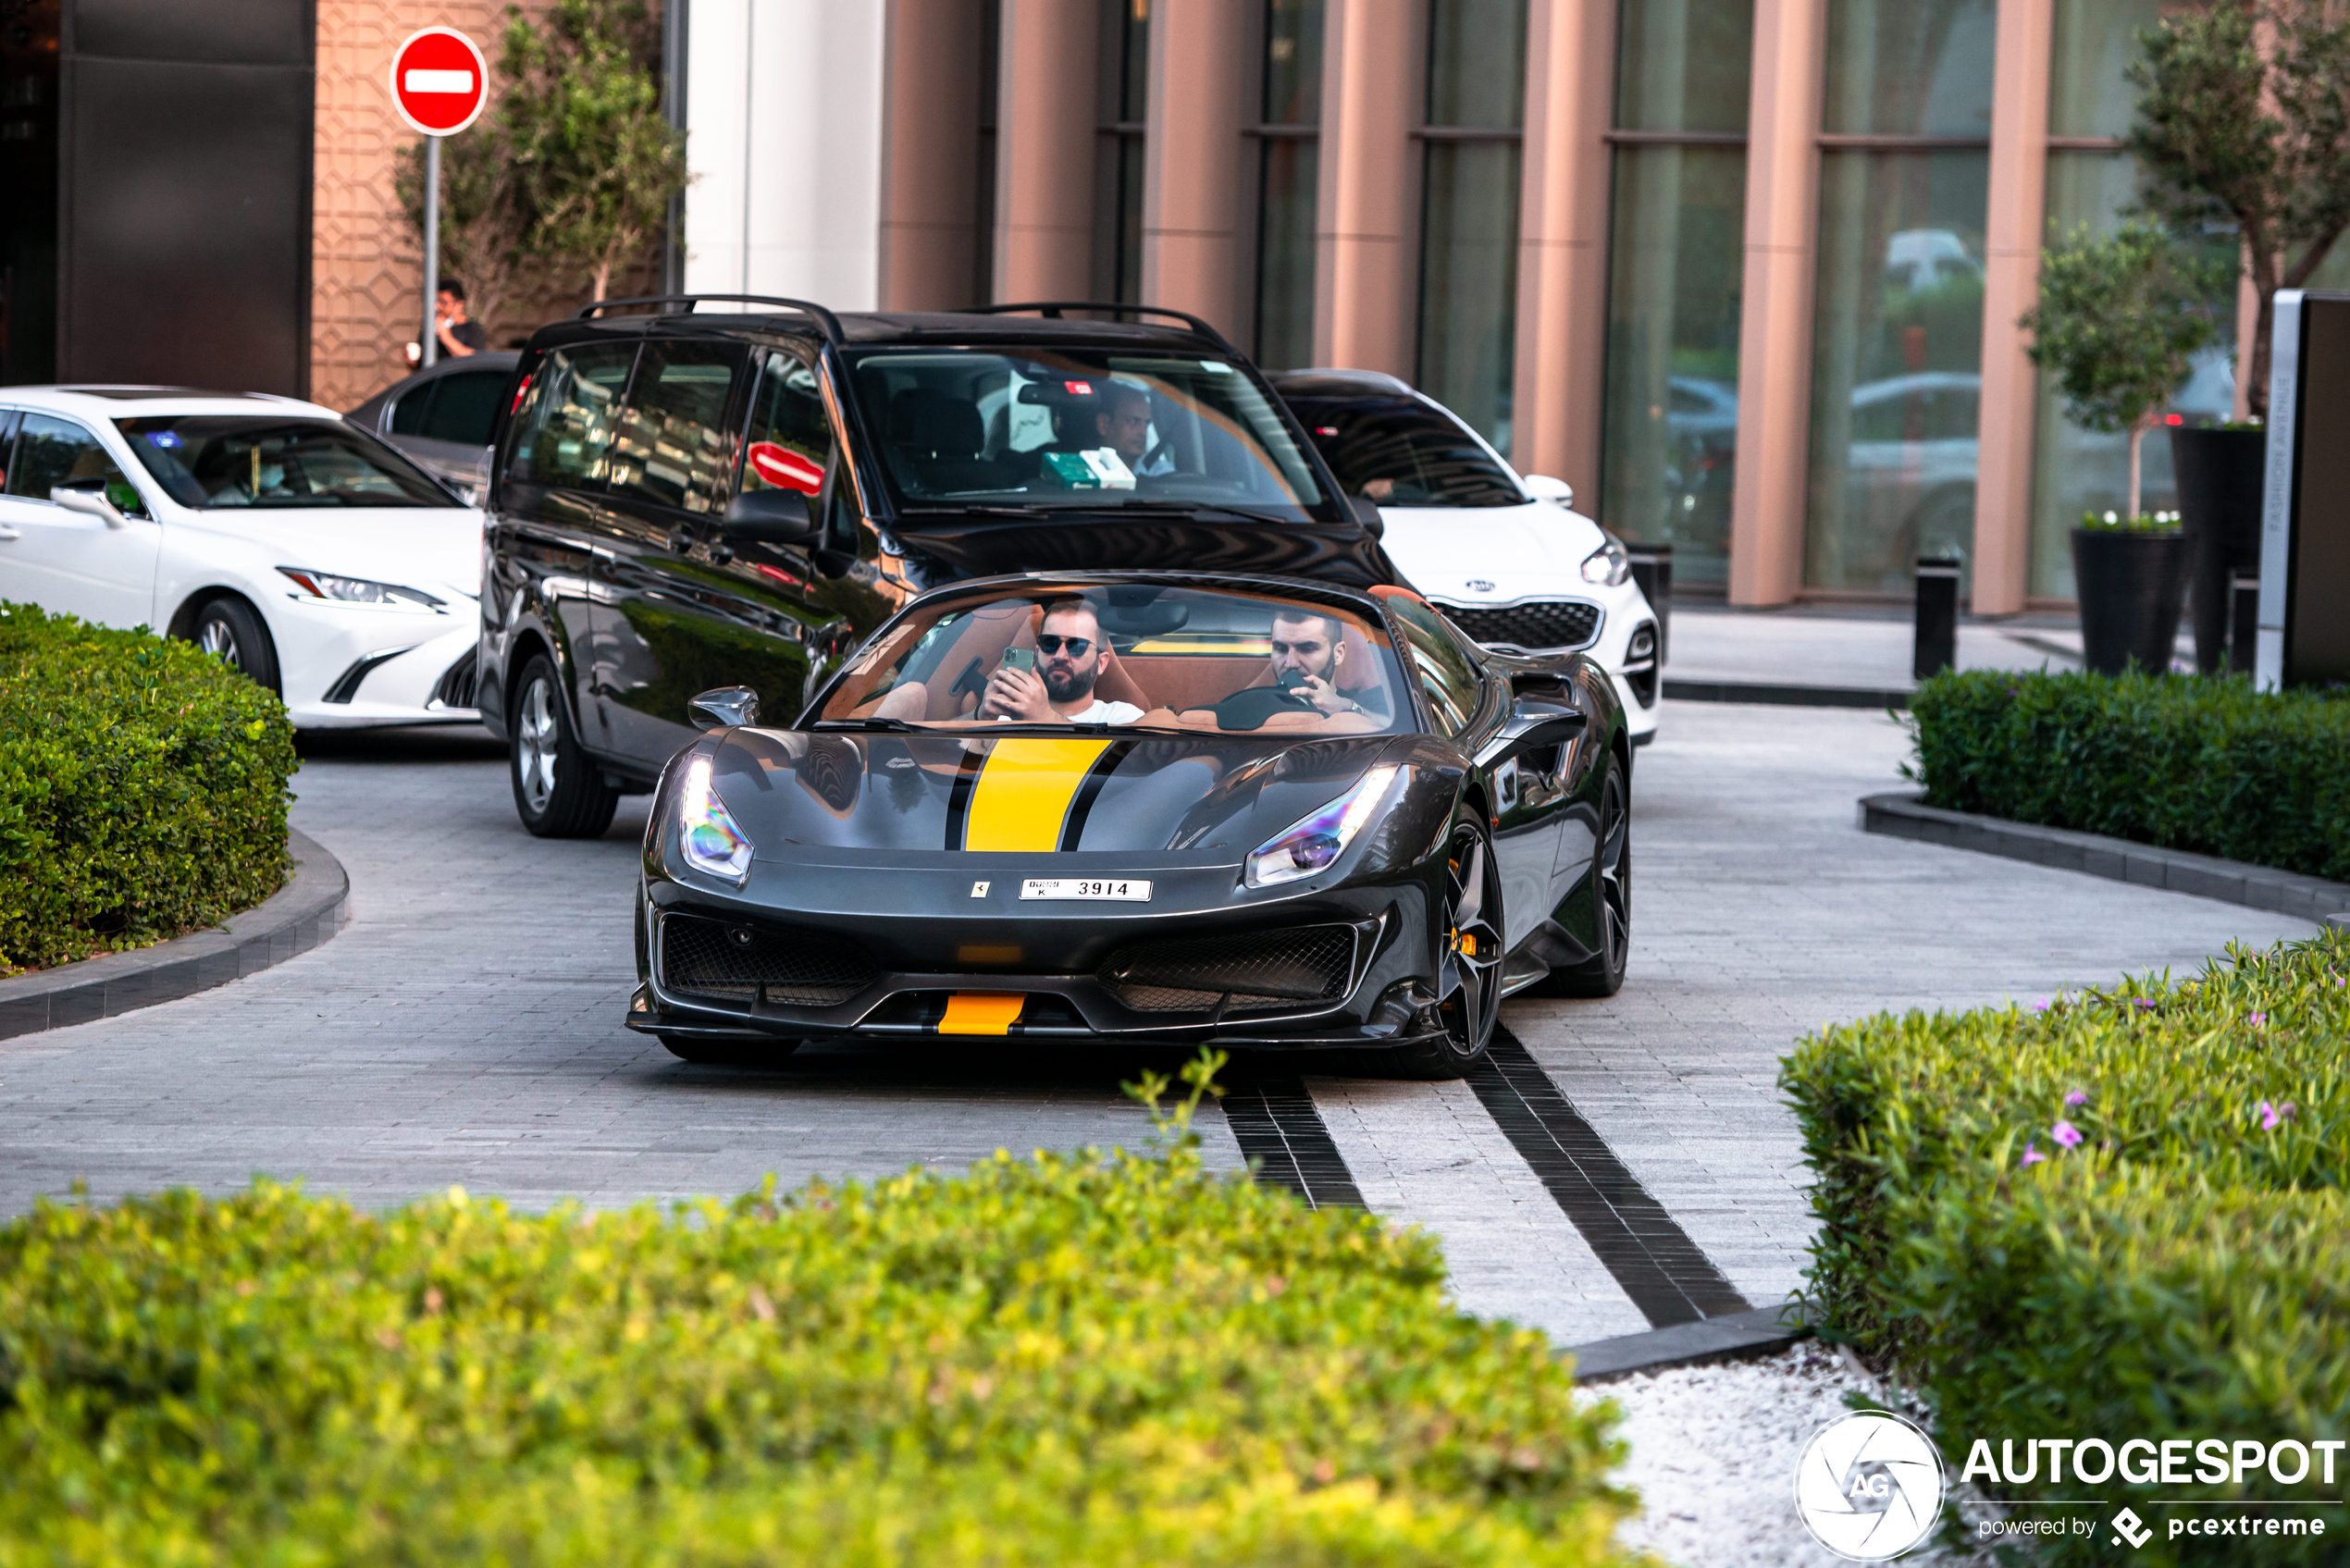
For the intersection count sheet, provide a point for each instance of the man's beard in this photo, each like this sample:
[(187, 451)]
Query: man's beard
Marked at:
[(1071, 686)]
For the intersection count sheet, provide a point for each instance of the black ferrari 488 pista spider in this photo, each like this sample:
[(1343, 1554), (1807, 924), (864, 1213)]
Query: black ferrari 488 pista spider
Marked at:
[(1148, 808)]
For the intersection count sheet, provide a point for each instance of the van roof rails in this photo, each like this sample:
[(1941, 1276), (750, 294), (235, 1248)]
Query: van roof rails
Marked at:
[(824, 318), (1053, 309)]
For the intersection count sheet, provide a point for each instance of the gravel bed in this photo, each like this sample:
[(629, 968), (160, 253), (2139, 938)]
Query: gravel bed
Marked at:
[(1714, 1455)]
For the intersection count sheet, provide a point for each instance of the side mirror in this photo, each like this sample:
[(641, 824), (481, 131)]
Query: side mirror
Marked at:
[(1542, 713), (1541, 487), (90, 503), (725, 707), (1367, 512), (768, 517)]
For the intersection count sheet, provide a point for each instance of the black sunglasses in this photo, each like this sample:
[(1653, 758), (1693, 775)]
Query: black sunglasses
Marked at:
[(1078, 646)]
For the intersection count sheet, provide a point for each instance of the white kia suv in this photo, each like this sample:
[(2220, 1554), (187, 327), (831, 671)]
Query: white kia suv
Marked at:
[(306, 552), (1503, 555)]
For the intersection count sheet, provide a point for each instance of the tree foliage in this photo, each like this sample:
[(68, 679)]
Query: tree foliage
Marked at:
[(2118, 321), (2244, 119), (568, 176)]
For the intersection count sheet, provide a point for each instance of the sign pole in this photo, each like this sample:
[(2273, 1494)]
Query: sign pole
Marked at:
[(432, 247)]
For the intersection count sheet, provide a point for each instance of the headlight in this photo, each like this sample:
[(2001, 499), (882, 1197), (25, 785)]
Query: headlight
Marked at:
[(1314, 841), (714, 841), (1607, 565), (358, 590)]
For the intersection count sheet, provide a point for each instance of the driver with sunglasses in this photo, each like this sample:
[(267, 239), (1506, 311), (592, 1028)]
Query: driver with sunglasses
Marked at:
[(1060, 689)]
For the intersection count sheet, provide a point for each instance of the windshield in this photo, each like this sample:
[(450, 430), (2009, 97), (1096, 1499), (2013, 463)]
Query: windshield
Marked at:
[(1139, 655), (1400, 452), (1096, 429), (219, 460)]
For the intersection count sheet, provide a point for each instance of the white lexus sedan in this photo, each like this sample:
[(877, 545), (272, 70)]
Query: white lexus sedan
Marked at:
[(1503, 556), (307, 554)]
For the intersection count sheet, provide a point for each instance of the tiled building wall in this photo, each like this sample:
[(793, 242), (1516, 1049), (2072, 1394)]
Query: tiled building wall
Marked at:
[(367, 267)]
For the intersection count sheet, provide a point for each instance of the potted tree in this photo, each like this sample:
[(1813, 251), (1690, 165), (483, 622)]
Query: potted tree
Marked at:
[(2118, 320), (2241, 124)]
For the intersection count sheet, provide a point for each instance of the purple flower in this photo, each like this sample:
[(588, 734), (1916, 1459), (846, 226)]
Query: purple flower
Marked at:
[(2065, 1133), (2078, 1097), (2041, 1006), (2258, 1019), (2144, 1001), (2271, 1117), (2031, 1154)]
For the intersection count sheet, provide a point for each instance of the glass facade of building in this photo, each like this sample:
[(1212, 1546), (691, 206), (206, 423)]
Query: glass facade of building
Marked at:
[(1898, 301), (1670, 431), (1476, 109), (1288, 182)]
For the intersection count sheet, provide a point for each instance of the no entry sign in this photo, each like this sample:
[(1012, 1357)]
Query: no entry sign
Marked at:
[(438, 81)]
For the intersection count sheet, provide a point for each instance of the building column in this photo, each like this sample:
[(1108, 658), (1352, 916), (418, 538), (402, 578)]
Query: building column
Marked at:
[(1767, 504), (1045, 109), (1365, 255), (1201, 94), (929, 122), (2017, 214), (1563, 243)]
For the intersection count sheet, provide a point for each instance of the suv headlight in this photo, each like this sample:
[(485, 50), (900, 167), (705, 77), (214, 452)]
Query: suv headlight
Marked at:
[(1313, 843), (715, 843), (1607, 565), (358, 590)]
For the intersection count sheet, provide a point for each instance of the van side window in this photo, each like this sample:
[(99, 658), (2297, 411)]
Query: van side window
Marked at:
[(563, 430), (673, 448), (791, 441)]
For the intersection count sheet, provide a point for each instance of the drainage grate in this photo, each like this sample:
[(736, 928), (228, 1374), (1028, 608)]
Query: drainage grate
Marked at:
[(1274, 1121)]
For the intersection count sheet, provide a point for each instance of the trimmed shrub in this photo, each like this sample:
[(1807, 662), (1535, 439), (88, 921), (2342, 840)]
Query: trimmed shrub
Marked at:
[(2123, 1217), (2209, 766), (1065, 1360), (142, 789)]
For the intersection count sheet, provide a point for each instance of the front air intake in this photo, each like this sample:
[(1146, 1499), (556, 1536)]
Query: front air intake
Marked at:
[(731, 962), (1260, 971)]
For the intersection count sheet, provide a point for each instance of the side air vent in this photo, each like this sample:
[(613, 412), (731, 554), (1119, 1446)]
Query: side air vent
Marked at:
[(729, 962), (1260, 971)]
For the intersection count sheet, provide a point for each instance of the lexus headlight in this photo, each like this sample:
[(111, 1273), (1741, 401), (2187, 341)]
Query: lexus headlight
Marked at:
[(358, 590), (714, 841), (1607, 565), (1317, 841)]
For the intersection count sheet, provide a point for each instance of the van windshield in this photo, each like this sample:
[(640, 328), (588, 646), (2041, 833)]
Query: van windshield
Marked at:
[(1024, 429)]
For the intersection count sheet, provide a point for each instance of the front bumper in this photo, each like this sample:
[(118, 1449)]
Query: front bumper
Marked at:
[(1045, 976), (346, 668)]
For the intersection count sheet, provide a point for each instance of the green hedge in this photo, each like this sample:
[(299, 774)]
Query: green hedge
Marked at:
[(2209, 766), (142, 789), (2178, 1272), (1090, 1359)]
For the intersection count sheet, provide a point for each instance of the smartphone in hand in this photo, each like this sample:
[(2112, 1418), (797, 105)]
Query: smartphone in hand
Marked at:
[(1021, 658)]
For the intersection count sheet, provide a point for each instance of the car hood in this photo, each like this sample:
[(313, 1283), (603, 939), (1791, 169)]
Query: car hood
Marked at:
[(1514, 549), (830, 795), (435, 549), (955, 548)]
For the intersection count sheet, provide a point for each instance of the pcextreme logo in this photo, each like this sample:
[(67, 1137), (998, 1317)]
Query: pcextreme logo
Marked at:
[(1869, 1485)]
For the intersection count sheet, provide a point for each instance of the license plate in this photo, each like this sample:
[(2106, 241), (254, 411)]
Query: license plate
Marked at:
[(1128, 890)]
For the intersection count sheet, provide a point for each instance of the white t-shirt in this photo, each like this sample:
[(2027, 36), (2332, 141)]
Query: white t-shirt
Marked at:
[(1101, 712)]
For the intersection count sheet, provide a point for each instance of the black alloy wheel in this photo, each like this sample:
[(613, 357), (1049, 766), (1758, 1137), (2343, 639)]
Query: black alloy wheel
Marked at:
[(559, 790), (227, 629), (728, 1053), (1468, 976), (1611, 884)]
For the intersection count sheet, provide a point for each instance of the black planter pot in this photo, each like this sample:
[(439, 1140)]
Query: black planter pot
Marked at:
[(2220, 488), (2131, 585)]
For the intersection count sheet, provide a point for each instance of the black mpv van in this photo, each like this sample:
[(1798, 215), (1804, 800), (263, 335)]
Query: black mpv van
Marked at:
[(681, 502)]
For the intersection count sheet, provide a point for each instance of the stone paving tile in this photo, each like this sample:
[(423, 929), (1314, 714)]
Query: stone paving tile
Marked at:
[(1760, 911), (1429, 1153)]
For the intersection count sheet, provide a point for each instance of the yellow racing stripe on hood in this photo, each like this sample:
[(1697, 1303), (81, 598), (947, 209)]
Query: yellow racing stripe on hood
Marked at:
[(1023, 795)]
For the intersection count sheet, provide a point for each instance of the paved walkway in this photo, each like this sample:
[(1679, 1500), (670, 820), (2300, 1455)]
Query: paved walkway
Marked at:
[(464, 1028), (1815, 646)]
